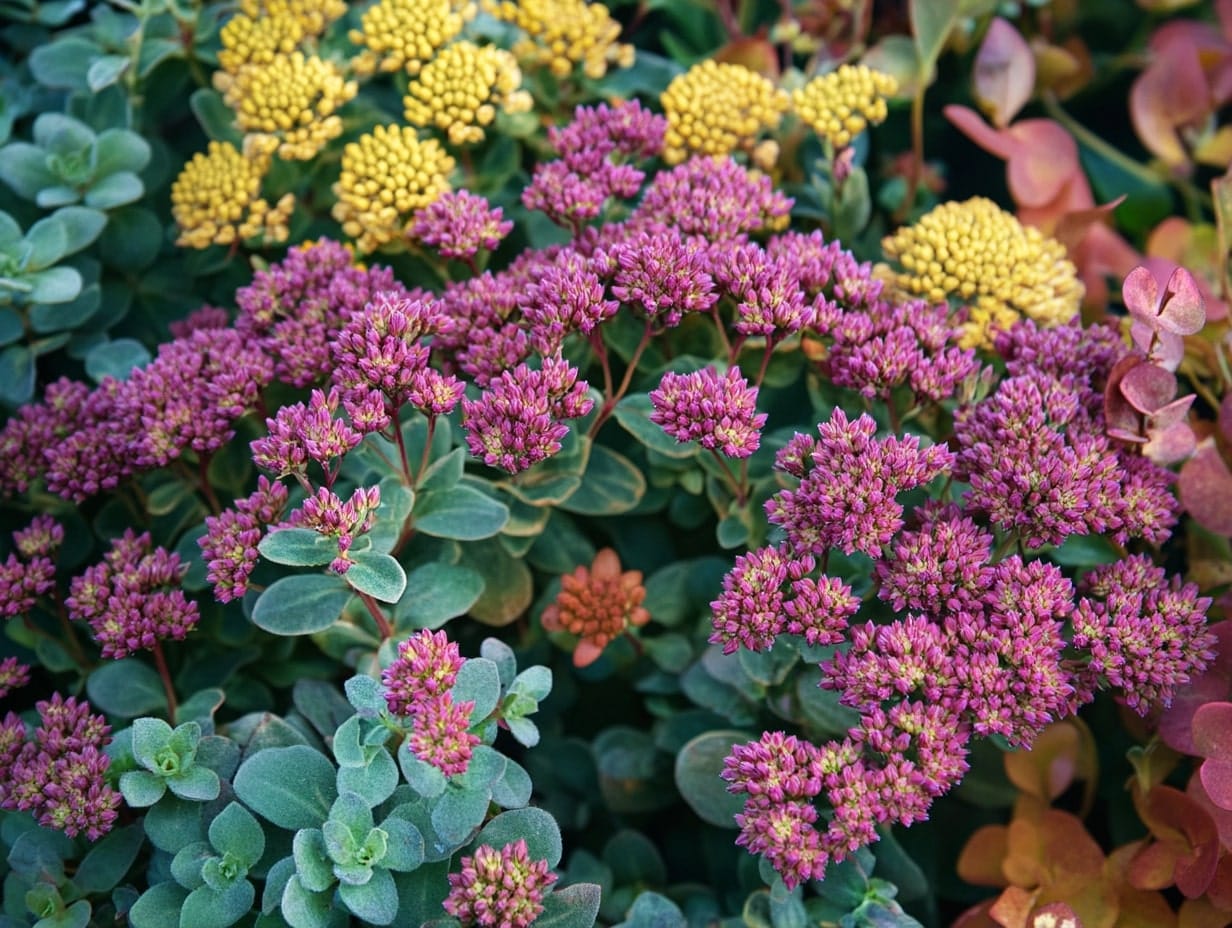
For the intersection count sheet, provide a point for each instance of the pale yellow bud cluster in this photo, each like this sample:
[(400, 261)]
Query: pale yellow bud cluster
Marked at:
[(406, 34), (313, 16), (216, 200), (717, 108), (1001, 270), (841, 104), (386, 176), (561, 34), (248, 40), (460, 90), (288, 105)]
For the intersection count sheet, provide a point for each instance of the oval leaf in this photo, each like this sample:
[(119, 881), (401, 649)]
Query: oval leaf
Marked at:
[(292, 787), (301, 605)]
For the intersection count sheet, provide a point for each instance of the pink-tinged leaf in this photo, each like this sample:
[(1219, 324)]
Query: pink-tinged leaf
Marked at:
[(1172, 809), (1205, 487), (1140, 291), (1142, 335), (969, 123), (1004, 72), (1176, 722), (1169, 445), (1225, 417), (1217, 781), (1169, 349), (1153, 866), (1212, 730), (1074, 226), (1221, 817), (1148, 388), (1127, 435), (1121, 418), (1171, 92), (1184, 311), (1174, 412), (1046, 160)]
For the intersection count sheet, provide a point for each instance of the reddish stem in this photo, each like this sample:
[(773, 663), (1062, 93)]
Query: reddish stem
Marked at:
[(160, 661)]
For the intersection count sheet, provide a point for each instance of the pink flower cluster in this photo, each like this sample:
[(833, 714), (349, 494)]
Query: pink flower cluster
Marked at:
[(13, 675), (229, 545), (718, 412), (499, 889), (132, 599), (418, 686), (30, 571), (459, 223), (516, 423), (58, 771), (81, 441)]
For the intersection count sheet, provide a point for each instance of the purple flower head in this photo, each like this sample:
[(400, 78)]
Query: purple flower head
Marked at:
[(440, 735), (846, 496), (569, 199), (13, 676), (499, 888), (718, 412), (769, 299), (567, 297), (294, 309), (344, 521), (381, 348), (434, 393), (515, 423), (778, 767), (426, 667), (131, 599), (204, 317), (751, 609), (664, 274), (40, 538), (784, 833), (715, 198), (229, 545), (626, 129), (1146, 635), (905, 657), (30, 571), (820, 610), (941, 567), (302, 432), (459, 223)]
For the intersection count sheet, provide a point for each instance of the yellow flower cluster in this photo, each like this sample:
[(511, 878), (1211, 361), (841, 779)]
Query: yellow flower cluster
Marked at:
[(839, 105), (405, 34), (254, 41), (977, 252), (312, 16), (386, 176), (216, 200), (562, 34), (460, 90), (288, 105), (716, 108)]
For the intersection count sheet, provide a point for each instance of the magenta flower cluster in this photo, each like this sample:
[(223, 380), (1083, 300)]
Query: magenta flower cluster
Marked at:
[(499, 888), (58, 771), (131, 599), (981, 641), (459, 223), (718, 412), (418, 686), (30, 571), (229, 545)]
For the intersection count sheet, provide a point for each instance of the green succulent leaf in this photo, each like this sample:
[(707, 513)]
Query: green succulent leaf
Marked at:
[(375, 781), (375, 901), (102, 73), (126, 688), (24, 168), (293, 787), (16, 375), (54, 285), (298, 547), (312, 861), (209, 908), (140, 788), (301, 604), (117, 189), (235, 831), (159, 906), (378, 575), (461, 513), (303, 908), (478, 682), (109, 860), (187, 864), (405, 845), (437, 592), (537, 827)]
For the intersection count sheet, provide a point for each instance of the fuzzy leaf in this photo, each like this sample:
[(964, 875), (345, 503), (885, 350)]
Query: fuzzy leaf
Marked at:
[(302, 604), (293, 787), (236, 832)]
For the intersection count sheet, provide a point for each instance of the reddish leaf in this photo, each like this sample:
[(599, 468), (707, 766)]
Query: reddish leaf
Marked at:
[(1174, 441), (1220, 890), (1201, 913), (1062, 753), (1148, 388), (1141, 294), (1184, 311), (1171, 92), (1206, 489), (1047, 160), (1169, 813), (1013, 908), (994, 141), (1225, 417), (1212, 730), (976, 917), (1216, 775), (1074, 226), (1176, 722), (1153, 865), (981, 857), (1004, 72), (1123, 421), (1221, 817)]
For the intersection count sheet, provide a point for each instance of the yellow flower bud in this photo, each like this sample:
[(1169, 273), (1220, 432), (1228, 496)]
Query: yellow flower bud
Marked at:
[(386, 176), (1001, 270), (460, 90), (406, 34), (216, 200), (716, 109), (312, 16), (561, 34), (288, 105), (841, 104)]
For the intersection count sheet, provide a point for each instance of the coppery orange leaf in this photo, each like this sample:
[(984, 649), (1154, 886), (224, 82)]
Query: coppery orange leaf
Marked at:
[(981, 857)]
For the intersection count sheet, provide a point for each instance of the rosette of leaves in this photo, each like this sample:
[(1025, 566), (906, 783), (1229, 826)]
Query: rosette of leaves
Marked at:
[(68, 163), (210, 886), (37, 295), (168, 757)]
